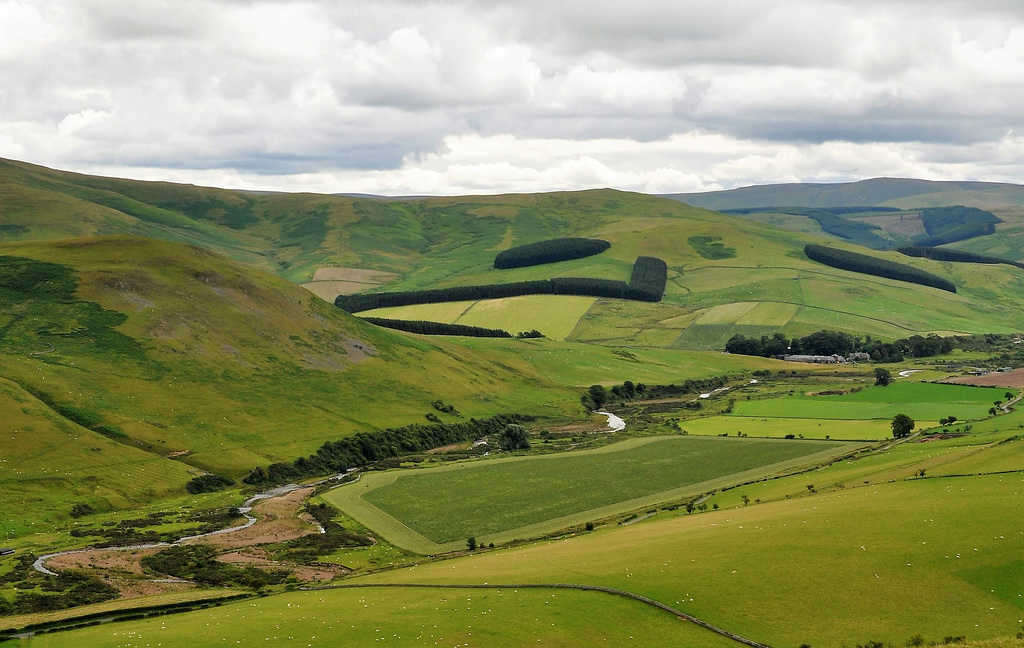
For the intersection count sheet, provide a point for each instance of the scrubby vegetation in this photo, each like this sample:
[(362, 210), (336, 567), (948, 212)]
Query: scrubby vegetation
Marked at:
[(711, 247), (66, 590), (647, 282), (365, 448), (550, 251), (597, 395), (955, 256), (142, 530), (309, 548), (866, 264), (208, 483), (199, 563)]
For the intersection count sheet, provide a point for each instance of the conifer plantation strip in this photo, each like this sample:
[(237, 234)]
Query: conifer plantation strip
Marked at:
[(550, 251), (866, 264), (954, 256), (579, 286), (647, 283), (437, 328)]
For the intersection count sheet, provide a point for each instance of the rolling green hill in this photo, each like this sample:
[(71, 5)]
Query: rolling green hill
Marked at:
[(896, 192), (152, 331), (727, 275), (142, 350)]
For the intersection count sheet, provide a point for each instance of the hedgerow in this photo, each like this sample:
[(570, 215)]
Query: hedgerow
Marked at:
[(364, 448)]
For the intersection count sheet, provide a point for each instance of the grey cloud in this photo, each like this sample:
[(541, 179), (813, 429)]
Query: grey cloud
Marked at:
[(298, 87)]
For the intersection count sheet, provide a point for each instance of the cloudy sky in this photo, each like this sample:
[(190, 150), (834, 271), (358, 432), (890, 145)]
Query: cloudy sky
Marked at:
[(464, 96)]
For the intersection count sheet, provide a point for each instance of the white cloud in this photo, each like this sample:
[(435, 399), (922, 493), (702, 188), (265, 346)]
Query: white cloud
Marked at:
[(23, 30), (465, 95)]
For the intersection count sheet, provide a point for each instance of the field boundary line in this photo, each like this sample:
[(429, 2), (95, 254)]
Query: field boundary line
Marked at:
[(573, 586), (580, 320)]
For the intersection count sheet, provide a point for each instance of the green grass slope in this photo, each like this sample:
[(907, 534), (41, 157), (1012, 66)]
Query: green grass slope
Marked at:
[(174, 349), (850, 563), (48, 464)]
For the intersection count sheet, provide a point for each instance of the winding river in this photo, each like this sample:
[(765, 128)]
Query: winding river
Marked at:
[(40, 564)]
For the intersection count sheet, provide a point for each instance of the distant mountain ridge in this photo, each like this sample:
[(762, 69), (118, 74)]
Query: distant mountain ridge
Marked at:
[(896, 192)]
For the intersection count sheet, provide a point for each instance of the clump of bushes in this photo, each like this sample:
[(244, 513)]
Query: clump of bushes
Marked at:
[(199, 563), (309, 548), (208, 483)]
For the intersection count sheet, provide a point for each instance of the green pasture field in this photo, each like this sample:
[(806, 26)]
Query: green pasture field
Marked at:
[(726, 313), (120, 605), (984, 448), (707, 337), (553, 315), (920, 401), (859, 430), (406, 617), (624, 322), (1002, 457), (829, 568), (582, 365), (769, 313), (522, 497)]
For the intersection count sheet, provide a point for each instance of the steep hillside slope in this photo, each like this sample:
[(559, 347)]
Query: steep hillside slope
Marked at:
[(177, 350)]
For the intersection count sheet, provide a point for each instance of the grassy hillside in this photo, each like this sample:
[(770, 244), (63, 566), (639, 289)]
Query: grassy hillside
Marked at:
[(877, 191), (864, 550), (170, 350), (715, 261)]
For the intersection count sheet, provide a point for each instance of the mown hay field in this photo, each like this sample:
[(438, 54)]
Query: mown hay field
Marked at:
[(804, 428), (502, 499)]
